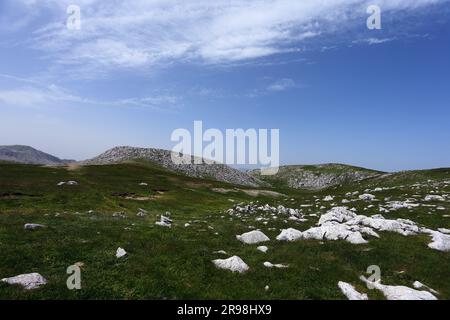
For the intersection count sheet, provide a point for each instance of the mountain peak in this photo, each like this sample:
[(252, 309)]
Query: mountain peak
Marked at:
[(29, 155), (161, 157)]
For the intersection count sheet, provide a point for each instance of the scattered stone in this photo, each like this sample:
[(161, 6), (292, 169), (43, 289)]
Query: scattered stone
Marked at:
[(120, 215), (290, 234), (142, 213), (328, 198), (27, 281), (402, 226), (268, 264), (434, 197), (334, 231), (120, 253), (234, 264), (396, 205), (69, 183), (164, 222), (350, 292), (33, 226), (262, 249), (220, 252), (367, 197), (253, 237), (440, 241), (337, 214)]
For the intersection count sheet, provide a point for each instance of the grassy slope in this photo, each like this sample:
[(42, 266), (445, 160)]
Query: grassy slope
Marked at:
[(176, 263)]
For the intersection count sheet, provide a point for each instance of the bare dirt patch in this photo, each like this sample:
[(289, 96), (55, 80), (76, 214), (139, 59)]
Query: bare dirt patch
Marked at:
[(263, 193), (135, 197), (16, 196), (250, 192)]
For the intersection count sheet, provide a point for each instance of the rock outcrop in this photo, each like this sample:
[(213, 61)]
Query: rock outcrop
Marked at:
[(215, 171), (317, 177)]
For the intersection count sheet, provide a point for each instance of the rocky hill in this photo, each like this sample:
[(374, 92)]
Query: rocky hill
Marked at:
[(29, 155), (162, 158), (316, 177)]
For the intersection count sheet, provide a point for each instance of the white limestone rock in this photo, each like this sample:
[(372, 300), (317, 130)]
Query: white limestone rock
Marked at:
[(234, 264), (402, 226), (434, 197), (400, 292), (270, 265), (141, 214), (396, 205), (120, 253), (263, 249), (253, 237), (220, 252), (33, 226), (337, 214), (350, 292), (334, 231), (444, 230), (439, 241), (290, 234), (28, 281), (164, 222), (367, 197)]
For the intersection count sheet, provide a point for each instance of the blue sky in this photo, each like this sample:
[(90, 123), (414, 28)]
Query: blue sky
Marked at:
[(137, 70)]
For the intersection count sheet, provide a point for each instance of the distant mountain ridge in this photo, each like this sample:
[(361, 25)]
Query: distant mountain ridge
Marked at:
[(307, 177), (29, 155)]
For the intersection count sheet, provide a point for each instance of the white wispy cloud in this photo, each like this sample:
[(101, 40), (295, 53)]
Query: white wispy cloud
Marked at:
[(28, 93), (142, 34), (168, 103), (282, 85), (29, 96), (372, 41)]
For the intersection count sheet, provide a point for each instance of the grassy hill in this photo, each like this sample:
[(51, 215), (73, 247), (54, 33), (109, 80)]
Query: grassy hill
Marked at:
[(316, 177), (82, 225)]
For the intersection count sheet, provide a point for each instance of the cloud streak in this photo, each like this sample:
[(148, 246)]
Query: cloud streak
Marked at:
[(35, 94), (140, 34), (282, 85)]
